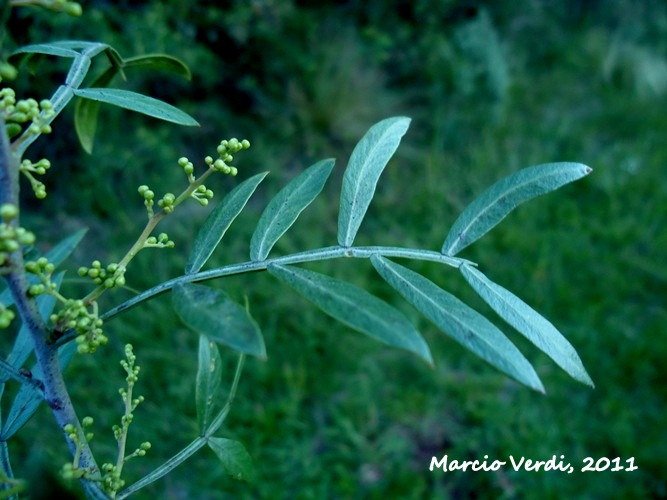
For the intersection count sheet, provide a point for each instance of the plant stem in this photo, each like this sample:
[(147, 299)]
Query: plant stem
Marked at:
[(55, 390)]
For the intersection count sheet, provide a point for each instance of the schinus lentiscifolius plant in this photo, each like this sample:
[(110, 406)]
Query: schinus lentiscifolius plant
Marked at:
[(55, 326)]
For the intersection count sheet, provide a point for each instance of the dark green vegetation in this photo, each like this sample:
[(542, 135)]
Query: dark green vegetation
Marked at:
[(490, 90)]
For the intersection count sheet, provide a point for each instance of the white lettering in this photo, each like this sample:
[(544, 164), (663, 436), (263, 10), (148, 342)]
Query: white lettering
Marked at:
[(438, 464), (516, 466)]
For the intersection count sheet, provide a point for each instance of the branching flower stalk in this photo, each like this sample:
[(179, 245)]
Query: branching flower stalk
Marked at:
[(196, 189), (113, 472)]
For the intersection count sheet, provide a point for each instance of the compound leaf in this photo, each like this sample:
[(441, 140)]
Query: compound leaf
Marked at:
[(367, 162), (502, 197), (355, 308), (139, 103), (465, 325), (216, 224), (529, 323), (209, 311), (235, 459), (283, 210), (209, 373)]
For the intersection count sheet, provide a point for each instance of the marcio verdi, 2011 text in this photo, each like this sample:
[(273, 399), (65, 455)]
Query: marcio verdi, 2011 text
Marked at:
[(517, 464)]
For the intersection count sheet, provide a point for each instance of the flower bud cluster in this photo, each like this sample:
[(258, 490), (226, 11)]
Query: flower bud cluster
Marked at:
[(112, 473), (167, 203), (88, 325), (12, 237), (227, 148), (110, 276), (43, 269), (202, 195), (148, 197), (162, 241), (28, 169), (111, 478), (26, 110), (71, 470)]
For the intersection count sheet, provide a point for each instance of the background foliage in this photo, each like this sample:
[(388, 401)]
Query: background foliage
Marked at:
[(492, 87)]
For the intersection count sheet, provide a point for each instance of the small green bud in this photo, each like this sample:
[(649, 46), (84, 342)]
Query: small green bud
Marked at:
[(87, 421), (26, 238), (7, 71), (74, 9), (13, 129), (120, 281), (183, 161), (8, 211)]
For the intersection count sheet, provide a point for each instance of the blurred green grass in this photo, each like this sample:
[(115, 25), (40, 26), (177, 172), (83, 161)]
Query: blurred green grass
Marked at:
[(332, 414)]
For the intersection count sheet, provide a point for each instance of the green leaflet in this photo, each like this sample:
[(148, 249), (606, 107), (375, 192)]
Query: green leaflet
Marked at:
[(162, 62), (139, 103), (463, 324), (49, 49), (235, 459), (283, 210), (209, 311), (529, 323), (216, 224), (209, 373), (355, 308), (86, 111), (368, 160), (502, 197)]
